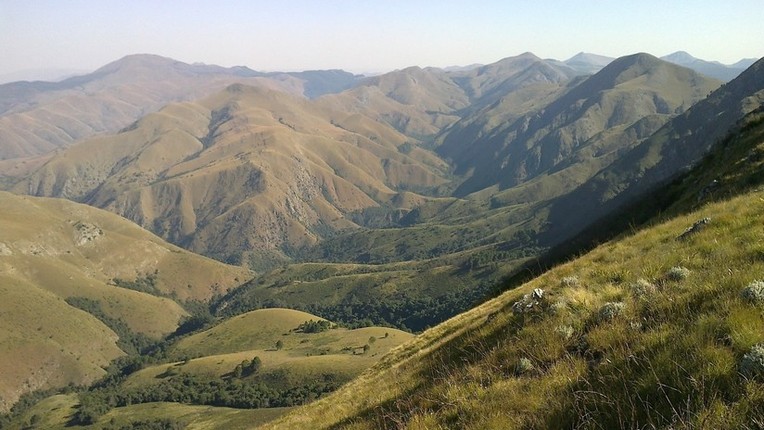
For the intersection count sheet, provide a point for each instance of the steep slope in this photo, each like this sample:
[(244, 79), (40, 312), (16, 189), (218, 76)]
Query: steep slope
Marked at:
[(38, 117), (53, 250), (245, 171), (658, 329), (675, 147), (576, 130), (421, 102)]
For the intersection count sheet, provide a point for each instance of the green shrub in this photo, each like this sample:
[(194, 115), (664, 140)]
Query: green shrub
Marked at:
[(642, 288)]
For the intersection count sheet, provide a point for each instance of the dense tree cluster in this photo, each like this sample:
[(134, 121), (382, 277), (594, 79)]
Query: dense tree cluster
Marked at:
[(247, 367), (202, 390), (406, 311), (314, 326), (145, 284), (155, 424)]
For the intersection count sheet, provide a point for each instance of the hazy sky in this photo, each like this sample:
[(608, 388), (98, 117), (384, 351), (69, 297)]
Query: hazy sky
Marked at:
[(368, 36)]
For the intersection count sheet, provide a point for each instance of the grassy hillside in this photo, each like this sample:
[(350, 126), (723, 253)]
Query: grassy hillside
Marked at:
[(54, 253), (658, 329), (261, 329)]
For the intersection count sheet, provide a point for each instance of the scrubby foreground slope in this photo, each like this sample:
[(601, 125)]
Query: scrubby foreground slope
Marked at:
[(53, 250), (654, 330)]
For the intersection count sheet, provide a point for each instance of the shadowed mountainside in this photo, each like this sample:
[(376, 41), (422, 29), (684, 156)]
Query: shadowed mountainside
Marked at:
[(583, 127), (674, 148)]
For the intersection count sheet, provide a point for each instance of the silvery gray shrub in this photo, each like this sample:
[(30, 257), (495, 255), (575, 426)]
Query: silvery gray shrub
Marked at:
[(678, 273), (754, 292), (610, 310), (752, 364)]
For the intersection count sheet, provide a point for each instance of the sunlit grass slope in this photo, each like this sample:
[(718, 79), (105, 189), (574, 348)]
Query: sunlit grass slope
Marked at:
[(52, 250), (648, 331)]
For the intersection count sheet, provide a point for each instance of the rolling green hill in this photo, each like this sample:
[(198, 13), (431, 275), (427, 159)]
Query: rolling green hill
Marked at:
[(299, 357), (661, 328)]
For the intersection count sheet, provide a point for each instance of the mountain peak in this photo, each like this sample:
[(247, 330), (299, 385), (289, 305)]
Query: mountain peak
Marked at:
[(680, 57), (587, 63), (137, 60), (630, 66), (589, 57)]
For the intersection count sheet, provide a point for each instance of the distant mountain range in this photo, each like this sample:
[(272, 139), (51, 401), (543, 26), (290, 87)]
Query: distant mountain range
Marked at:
[(259, 173), (38, 117)]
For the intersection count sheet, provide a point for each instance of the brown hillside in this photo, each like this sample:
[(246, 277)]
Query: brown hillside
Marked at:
[(245, 170)]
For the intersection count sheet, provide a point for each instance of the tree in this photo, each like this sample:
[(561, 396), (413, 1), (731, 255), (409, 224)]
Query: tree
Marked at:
[(279, 345), (366, 348), (254, 366), (372, 339)]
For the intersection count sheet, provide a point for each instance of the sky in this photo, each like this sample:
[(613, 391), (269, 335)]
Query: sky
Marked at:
[(367, 36)]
